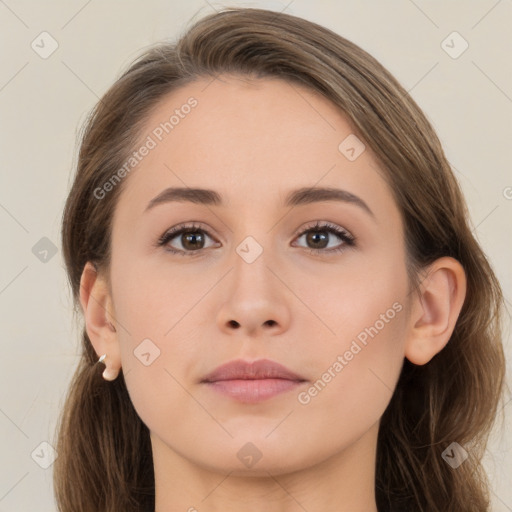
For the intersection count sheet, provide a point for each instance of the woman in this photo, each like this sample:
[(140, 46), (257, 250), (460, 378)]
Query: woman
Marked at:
[(284, 304)]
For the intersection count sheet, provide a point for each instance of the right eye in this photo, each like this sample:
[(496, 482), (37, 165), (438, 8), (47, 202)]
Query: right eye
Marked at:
[(190, 237)]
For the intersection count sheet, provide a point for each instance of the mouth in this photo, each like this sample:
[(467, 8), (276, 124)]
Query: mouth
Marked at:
[(252, 382)]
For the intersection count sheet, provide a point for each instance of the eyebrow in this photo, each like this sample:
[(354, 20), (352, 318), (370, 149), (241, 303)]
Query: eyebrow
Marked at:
[(301, 196)]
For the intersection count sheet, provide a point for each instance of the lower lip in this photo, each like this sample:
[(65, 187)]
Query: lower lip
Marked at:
[(255, 390)]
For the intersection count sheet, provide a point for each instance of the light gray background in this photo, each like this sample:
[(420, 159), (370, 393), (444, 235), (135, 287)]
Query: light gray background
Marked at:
[(44, 101)]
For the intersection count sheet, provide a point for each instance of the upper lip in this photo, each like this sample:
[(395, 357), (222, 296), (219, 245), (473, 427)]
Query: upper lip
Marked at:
[(261, 369)]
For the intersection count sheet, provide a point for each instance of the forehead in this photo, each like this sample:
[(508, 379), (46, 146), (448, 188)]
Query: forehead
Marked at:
[(249, 138)]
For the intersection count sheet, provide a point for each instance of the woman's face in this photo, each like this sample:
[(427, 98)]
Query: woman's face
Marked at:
[(248, 285)]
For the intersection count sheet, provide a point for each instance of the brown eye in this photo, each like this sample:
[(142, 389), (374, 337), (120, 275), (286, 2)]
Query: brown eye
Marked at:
[(192, 240), (319, 241), (320, 235), (185, 240)]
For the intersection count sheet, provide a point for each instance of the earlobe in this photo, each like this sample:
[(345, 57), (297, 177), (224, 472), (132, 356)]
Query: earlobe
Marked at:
[(435, 310), (99, 321)]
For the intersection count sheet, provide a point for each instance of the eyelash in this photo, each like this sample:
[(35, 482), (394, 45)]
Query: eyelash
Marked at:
[(345, 236)]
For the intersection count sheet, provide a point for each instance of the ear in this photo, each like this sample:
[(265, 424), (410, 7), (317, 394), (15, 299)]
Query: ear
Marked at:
[(435, 310), (97, 307)]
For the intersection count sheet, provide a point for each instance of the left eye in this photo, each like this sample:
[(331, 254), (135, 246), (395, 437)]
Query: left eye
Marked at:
[(192, 239), (320, 242)]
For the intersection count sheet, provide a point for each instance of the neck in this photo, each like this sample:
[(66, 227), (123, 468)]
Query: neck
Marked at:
[(345, 482)]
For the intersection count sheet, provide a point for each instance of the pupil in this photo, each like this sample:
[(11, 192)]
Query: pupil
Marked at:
[(191, 237), (315, 238)]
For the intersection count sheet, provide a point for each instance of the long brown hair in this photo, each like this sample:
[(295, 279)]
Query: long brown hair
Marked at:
[(104, 461)]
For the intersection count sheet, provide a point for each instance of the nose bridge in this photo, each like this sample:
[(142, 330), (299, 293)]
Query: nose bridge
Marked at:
[(255, 247), (251, 275), (252, 244)]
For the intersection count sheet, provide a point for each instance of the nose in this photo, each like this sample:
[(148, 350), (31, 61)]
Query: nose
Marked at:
[(255, 300)]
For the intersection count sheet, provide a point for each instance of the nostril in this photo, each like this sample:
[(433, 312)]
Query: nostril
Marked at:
[(233, 323)]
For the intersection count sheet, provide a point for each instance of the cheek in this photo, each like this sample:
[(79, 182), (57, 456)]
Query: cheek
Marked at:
[(152, 302), (159, 338), (358, 366), (362, 298), (357, 376)]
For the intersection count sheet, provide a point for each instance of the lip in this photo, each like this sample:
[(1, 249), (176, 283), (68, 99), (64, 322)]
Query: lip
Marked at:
[(252, 382)]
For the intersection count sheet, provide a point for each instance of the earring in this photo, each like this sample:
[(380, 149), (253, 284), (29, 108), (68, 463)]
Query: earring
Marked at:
[(108, 373)]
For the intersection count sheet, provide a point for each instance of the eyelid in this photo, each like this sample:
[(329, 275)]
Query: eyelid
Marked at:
[(321, 224)]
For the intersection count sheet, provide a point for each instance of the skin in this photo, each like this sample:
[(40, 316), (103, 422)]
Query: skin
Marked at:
[(252, 141)]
